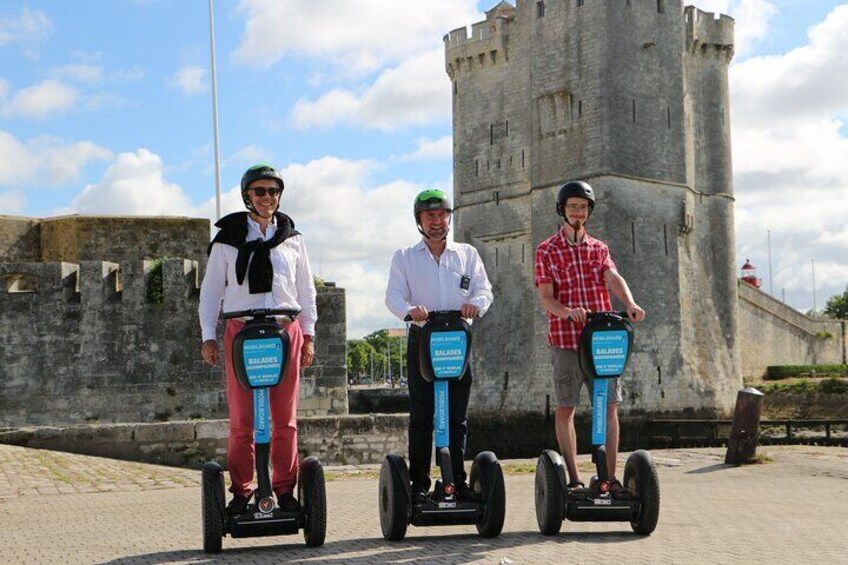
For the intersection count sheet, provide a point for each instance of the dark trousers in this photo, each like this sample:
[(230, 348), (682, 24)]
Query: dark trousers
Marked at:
[(421, 409)]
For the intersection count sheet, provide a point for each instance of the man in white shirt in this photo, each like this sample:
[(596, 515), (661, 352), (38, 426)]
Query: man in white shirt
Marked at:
[(435, 274), (258, 260)]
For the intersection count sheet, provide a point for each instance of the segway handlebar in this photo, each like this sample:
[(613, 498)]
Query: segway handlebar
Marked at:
[(619, 313), (258, 313), (439, 315)]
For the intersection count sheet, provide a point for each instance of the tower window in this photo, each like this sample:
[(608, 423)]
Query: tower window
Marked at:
[(634, 111), (540, 9), (661, 6), (579, 3)]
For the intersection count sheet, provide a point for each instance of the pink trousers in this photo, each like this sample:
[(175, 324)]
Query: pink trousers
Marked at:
[(283, 399)]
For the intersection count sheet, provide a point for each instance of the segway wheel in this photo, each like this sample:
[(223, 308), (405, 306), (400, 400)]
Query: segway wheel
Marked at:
[(641, 479), (212, 507), (488, 481), (393, 498), (313, 497), (549, 496)]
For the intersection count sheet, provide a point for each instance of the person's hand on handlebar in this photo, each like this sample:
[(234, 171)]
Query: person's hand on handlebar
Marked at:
[(209, 351), (635, 312), (577, 314), (418, 314), (307, 353), (469, 311)]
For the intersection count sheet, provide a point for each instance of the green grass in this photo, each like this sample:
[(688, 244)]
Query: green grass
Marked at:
[(831, 385)]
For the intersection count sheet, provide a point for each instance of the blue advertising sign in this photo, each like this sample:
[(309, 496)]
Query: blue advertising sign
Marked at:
[(261, 415), (609, 352), (447, 353), (441, 414), (599, 412), (263, 360)]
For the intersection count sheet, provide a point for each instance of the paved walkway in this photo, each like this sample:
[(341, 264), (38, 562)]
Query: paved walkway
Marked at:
[(65, 508)]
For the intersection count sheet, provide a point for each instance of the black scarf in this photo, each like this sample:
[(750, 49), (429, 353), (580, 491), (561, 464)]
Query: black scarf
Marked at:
[(254, 257)]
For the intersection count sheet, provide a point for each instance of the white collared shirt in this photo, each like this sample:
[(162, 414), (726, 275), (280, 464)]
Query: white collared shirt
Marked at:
[(417, 279), (292, 286)]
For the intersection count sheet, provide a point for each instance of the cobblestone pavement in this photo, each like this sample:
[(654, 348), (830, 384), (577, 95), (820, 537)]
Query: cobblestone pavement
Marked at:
[(65, 508)]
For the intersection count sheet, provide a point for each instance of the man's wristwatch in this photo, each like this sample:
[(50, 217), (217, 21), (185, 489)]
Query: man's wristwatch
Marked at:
[(307, 338)]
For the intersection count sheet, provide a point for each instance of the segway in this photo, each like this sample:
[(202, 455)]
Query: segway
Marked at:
[(604, 350), (261, 353), (444, 351)]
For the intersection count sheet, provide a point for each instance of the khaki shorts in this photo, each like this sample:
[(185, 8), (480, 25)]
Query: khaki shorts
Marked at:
[(569, 379)]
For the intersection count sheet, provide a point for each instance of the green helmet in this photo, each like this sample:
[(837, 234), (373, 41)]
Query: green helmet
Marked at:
[(432, 199), (256, 172)]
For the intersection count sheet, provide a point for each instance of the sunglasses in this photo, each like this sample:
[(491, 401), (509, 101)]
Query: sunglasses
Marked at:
[(261, 190)]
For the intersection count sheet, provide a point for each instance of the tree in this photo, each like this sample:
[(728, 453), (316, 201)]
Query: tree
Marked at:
[(385, 346), (837, 306), (358, 356)]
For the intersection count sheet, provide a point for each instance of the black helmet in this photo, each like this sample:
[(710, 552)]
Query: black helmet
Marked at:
[(433, 199), (256, 172), (575, 189)]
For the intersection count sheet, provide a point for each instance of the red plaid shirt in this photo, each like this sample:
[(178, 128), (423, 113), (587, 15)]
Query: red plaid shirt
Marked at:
[(577, 275)]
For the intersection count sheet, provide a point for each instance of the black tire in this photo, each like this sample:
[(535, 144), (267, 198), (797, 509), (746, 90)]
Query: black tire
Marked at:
[(487, 480), (313, 497), (641, 479), (212, 507), (393, 498), (549, 497)]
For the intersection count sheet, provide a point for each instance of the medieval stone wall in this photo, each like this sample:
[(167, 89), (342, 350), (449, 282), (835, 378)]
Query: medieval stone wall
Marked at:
[(103, 341), (775, 334)]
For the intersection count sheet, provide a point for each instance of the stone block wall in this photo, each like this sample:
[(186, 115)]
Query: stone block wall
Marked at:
[(776, 334), (344, 440), (99, 341), (95, 238)]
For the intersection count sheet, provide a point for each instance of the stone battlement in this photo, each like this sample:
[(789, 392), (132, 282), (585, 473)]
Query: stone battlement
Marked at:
[(708, 30), (93, 283)]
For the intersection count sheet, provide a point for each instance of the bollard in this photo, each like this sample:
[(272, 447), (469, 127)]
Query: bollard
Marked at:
[(742, 445)]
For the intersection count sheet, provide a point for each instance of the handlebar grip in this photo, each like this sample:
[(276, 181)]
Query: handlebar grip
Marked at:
[(437, 314), (262, 313)]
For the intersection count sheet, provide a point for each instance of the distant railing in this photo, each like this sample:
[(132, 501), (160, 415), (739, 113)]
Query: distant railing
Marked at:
[(708, 432)]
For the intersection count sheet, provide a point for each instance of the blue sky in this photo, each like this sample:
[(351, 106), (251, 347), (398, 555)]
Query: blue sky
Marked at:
[(105, 108)]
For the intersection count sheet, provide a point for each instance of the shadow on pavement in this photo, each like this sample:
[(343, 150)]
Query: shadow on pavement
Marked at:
[(460, 548)]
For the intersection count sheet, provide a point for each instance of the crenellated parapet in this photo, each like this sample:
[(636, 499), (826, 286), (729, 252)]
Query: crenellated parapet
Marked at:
[(486, 46), (707, 32), (135, 283)]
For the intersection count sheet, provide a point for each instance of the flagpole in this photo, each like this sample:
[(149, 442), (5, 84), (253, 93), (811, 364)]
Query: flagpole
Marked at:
[(215, 113)]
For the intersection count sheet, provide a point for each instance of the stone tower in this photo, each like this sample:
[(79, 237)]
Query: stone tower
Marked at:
[(631, 96)]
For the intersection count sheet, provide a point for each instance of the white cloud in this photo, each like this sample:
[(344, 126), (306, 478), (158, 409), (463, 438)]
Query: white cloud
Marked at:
[(11, 202), (752, 19), (41, 100), (790, 170), (191, 79), (416, 92), (44, 160), (356, 36), (133, 185), (428, 150), (248, 156), (30, 25), (88, 74), (811, 80)]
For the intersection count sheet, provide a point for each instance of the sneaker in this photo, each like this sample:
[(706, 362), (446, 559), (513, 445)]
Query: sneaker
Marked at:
[(465, 493), (238, 505), (287, 502)]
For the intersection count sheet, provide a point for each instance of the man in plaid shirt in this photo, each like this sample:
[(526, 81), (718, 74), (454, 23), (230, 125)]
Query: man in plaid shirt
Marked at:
[(574, 276)]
